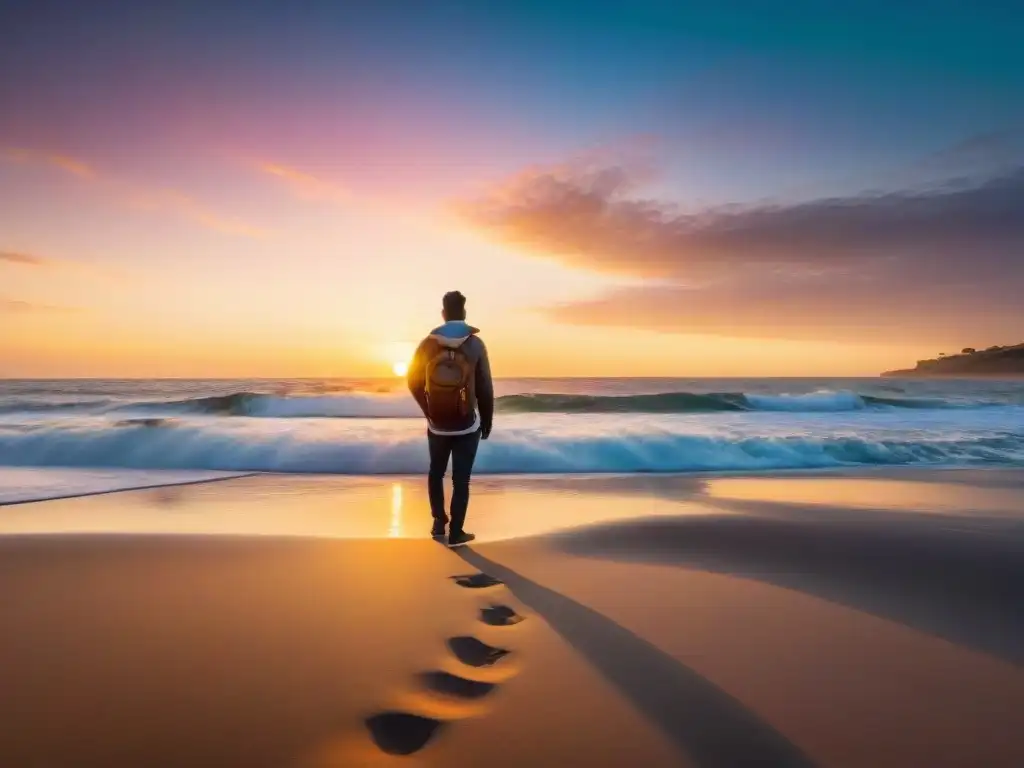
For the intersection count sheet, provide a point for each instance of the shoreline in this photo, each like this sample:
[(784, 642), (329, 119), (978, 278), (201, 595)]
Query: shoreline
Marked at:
[(515, 478), (378, 506)]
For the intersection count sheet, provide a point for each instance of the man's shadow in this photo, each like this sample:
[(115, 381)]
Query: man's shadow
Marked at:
[(706, 723), (954, 577)]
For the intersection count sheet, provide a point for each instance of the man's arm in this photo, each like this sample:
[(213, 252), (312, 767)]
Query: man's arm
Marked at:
[(416, 378), (484, 392)]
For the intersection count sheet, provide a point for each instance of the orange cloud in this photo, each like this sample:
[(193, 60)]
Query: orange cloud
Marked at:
[(71, 165), (139, 197), (178, 203), (592, 216), (931, 264), (16, 306), (75, 269), (305, 185), (13, 257), (65, 163)]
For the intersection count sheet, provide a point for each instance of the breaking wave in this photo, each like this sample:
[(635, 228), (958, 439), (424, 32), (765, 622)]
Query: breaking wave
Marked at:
[(347, 406), (401, 405), (218, 445), (690, 402)]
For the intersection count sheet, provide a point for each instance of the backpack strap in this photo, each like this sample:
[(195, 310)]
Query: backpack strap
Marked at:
[(467, 366)]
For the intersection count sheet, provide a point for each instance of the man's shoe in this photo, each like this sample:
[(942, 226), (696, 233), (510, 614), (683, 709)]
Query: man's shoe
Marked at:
[(437, 532), (455, 539)]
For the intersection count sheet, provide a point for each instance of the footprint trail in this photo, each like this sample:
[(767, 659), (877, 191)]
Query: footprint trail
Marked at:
[(404, 733)]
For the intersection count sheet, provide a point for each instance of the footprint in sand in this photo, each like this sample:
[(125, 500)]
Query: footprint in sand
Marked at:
[(499, 616), (476, 581), (453, 685), (399, 733), (403, 733), (475, 653)]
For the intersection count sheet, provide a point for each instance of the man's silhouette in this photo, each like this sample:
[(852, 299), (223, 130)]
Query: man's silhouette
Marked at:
[(450, 378)]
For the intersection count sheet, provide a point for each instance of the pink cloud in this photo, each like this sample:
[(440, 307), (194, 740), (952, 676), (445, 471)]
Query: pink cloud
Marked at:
[(305, 185)]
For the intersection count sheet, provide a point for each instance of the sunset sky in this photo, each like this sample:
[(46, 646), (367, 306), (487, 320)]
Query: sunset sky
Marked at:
[(642, 188)]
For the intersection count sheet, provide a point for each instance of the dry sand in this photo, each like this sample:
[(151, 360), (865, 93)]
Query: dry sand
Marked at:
[(833, 621)]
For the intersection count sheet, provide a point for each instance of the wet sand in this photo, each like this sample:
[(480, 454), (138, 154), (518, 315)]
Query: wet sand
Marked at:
[(709, 621)]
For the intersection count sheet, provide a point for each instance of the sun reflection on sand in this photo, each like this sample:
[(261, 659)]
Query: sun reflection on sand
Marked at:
[(395, 529), (346, 507)]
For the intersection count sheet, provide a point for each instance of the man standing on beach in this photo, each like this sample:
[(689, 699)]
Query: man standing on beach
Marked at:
[(450, 377)]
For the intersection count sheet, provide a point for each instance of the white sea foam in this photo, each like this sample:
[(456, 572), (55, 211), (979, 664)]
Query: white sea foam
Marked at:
[(381, 405), (540, 427), (527, 443)]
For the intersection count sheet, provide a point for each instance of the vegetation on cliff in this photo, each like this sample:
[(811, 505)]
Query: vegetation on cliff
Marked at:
[(994, 361)]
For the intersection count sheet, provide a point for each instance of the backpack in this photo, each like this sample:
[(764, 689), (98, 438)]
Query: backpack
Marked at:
[(451, 396)]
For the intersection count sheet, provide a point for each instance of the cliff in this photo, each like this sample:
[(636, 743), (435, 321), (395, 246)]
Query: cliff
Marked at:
[(994, 361)]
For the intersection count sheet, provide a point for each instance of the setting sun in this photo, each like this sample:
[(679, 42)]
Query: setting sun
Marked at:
[(400, 353)]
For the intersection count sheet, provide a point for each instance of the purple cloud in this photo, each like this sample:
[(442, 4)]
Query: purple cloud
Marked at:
[(935, 263)]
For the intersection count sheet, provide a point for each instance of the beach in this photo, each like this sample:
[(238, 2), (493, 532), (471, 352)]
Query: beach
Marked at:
[(839, 619), (715, 308)]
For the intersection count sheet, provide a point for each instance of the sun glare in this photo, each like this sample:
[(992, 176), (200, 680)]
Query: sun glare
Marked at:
[(399, 354)]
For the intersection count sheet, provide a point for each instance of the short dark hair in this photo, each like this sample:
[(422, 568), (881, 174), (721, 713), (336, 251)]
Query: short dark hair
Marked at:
[(454, 305)]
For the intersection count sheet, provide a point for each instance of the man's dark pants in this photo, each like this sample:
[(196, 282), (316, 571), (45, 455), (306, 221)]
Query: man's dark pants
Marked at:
[(462, 451)]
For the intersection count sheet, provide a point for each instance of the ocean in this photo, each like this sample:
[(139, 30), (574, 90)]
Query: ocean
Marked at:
[(68, 437)]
